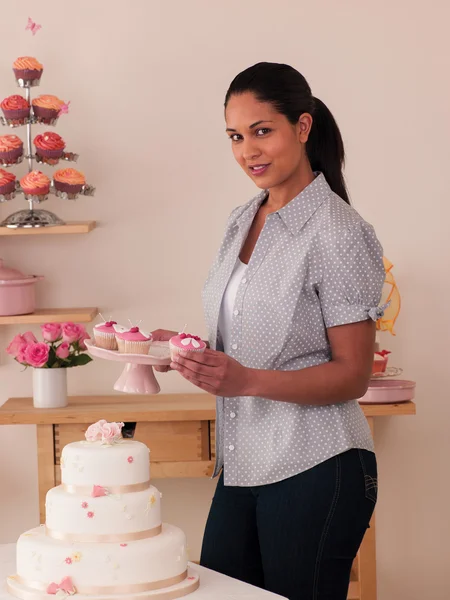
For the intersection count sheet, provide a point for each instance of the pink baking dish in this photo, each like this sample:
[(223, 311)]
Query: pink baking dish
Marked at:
[(391, 391)]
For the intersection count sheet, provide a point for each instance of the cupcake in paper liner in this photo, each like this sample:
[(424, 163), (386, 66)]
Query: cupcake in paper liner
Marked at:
[(185, 342), (49, 146), (16, 109), (105, 335), (7, 182), (28, 71), (132, 340), (69, 181), (35, 183), (46, 108), (11, 149)]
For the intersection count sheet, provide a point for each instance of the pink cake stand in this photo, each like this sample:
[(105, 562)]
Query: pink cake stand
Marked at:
[(137, 376)]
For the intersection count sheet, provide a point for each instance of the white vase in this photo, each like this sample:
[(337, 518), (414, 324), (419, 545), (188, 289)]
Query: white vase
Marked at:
[(49, 388)]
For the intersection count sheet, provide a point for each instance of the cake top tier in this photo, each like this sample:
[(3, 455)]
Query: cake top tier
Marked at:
[(105, 459)]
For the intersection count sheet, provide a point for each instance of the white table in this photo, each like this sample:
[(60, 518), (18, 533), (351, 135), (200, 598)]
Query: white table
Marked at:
[(213, 586)]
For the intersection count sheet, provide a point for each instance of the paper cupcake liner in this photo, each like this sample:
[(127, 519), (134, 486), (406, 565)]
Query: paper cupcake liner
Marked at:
[(86, 190), (10, 195), (7, 197), (174, 350), (28, 77), (54, 160), (133, 347), (105, 340), (8, 159)]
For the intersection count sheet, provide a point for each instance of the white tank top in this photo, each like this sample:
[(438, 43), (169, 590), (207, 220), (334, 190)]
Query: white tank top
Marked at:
[(227, 306)]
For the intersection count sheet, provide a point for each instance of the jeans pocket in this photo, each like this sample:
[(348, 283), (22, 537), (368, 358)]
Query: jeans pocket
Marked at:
[(369, 467)]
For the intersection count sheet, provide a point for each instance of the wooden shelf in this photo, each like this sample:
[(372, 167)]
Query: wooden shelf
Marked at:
[(123, 407), (55, 315), (69, 228), (130, 407)]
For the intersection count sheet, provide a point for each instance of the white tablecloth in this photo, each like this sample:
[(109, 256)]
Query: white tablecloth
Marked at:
[(213, 586)]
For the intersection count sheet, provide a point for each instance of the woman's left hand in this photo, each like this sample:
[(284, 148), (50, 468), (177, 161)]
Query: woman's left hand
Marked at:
[(214, 372)]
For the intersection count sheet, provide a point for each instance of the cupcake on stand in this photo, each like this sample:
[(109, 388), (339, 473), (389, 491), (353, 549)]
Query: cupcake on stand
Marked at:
[(136, 350)]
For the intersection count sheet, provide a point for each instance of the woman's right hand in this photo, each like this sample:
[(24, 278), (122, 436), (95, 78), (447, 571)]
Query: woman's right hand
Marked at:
[(162, 335)]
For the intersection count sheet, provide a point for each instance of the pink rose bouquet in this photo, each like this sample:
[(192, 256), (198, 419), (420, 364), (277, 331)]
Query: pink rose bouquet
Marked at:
[(63, 347)]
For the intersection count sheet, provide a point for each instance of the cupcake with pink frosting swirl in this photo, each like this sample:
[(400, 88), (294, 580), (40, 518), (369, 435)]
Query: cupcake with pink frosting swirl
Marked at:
[(49, 145), (7, 182), (16, 109), (11, 149), (35, 183), (28, 71), (132, 340), (46, 108), (69, 180), (186, 342)]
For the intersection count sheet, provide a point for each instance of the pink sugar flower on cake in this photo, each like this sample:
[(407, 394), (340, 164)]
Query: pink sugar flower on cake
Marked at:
[(90, 514), (130, 459), (94, 431), (107, 433), (132, 340), (84, 505), (186, 342)]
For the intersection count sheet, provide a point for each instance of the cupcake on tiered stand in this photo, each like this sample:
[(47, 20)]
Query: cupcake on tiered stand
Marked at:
[(21, 111)]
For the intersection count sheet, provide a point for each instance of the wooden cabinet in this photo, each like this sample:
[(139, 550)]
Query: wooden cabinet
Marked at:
[(179, 429)]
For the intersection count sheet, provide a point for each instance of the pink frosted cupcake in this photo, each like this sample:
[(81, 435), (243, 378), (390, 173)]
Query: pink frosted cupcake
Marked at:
[(105, 335), (7, 182), (28, 71), (132, 340), (16, 109), (11, 149), (35, 183), (380, 361), (46, 108), (185, 342)]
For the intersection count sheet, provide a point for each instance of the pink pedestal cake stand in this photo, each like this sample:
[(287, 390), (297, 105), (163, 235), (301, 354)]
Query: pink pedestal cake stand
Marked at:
[(137, 376)]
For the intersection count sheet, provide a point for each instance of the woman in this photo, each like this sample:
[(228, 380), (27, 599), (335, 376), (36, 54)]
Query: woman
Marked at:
[(291, 303)]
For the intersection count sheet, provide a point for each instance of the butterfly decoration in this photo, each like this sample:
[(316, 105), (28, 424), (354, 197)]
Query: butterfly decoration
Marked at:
[(64, 110), (32, 26)]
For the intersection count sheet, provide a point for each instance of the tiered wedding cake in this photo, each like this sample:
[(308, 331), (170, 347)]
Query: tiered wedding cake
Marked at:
[(103, 535)]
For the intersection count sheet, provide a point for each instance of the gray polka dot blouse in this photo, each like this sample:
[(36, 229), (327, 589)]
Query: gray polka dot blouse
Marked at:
[(316, 264)]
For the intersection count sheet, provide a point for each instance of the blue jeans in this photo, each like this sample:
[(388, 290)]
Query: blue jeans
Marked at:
[(297, 537)]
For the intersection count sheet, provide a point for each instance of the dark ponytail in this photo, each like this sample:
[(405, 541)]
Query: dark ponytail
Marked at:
[(288, 91)]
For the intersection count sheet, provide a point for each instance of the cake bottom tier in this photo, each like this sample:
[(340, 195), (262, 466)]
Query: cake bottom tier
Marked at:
[(150, 568)]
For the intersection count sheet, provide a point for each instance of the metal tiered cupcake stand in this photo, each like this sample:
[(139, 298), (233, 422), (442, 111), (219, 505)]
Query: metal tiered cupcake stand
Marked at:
[(138, 376), (33, 217)]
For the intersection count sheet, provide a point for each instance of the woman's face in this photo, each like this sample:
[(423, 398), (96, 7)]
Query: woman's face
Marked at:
[(266, 145)]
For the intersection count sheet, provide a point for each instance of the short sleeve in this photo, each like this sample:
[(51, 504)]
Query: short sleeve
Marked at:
[(352, 277)]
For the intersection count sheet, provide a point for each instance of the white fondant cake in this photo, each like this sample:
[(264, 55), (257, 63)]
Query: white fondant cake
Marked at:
[(103, 537)]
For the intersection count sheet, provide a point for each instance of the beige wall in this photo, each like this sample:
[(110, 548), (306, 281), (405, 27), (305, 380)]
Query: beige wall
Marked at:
[(146, 82)]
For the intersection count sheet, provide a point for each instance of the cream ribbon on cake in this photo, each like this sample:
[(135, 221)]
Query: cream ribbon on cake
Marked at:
[(107, 537), (37, 589), (111, 489)]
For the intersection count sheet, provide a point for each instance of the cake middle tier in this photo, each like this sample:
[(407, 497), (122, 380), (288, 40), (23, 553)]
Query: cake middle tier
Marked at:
[(103, 518)]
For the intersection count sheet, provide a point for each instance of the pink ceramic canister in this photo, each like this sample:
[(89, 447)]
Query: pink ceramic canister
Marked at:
[(17, 292)]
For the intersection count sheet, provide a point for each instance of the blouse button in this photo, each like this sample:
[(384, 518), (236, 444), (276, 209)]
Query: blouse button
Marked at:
[(231, 447), (232, 415), (236, 312), (234, 346), (244, 280)]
